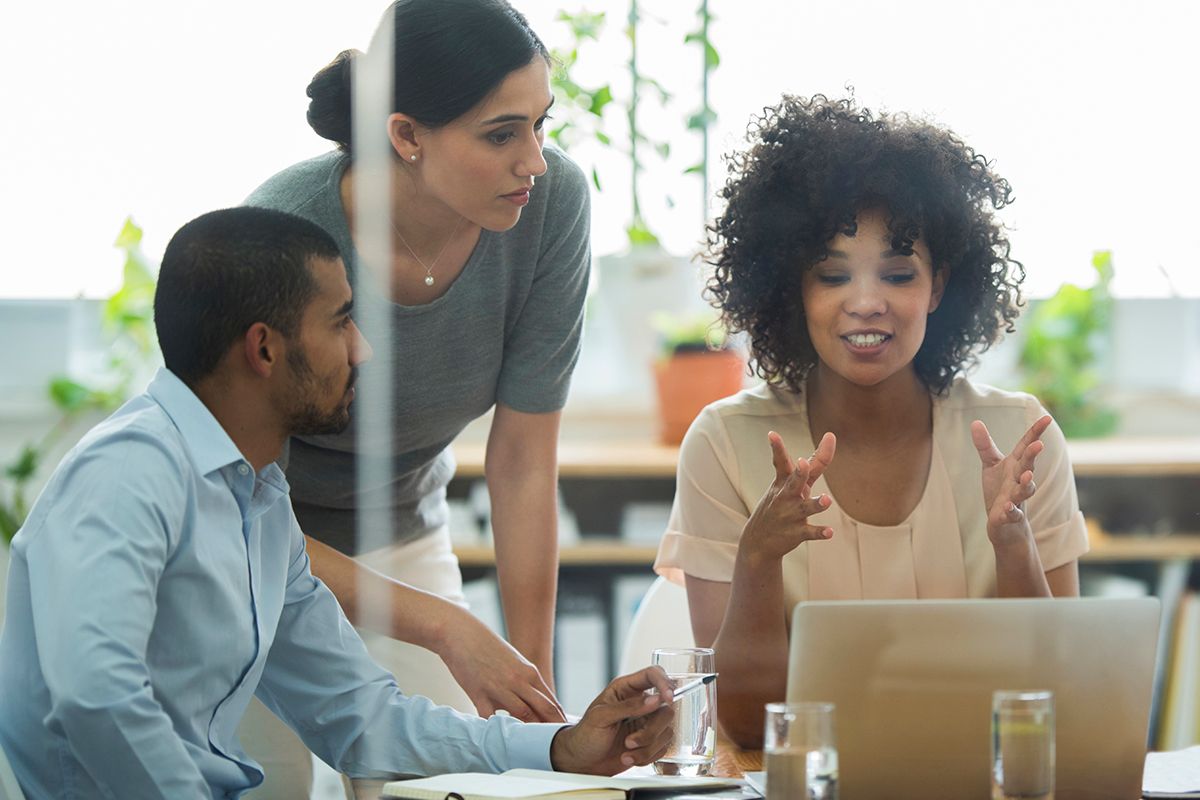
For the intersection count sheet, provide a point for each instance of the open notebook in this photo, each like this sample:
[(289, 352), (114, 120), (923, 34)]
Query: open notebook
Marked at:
[(533, 783)]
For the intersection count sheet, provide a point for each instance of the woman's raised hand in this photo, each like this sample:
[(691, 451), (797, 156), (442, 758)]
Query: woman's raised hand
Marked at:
[(1008, 479), (780, 521)]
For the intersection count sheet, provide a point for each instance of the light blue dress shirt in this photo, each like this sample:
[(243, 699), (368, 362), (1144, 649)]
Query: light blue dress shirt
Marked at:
[(159, 583)]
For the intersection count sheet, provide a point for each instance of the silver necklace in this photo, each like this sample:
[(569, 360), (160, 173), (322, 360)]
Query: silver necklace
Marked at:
[(428, 267)]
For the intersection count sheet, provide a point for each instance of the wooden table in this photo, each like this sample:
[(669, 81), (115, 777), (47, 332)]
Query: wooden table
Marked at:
[(734, 762)]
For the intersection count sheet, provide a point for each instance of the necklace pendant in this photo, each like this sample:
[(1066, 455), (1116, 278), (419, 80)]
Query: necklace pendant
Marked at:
[(429, 280)]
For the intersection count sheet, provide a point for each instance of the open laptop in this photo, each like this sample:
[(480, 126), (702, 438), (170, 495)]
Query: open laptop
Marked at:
[(913, 681)]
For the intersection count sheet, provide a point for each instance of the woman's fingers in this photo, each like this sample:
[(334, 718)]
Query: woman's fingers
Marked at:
[(822, 457), (797, 483), (809, 532), (1032, 435), (815, 505), (540, 705), (989, 454), (1029, 457), (779, 457), (516, 707)]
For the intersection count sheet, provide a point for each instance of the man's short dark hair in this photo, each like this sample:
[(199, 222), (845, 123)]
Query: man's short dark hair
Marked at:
[(226, 270)]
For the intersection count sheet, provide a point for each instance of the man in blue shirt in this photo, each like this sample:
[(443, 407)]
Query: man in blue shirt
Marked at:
[(161, 579)]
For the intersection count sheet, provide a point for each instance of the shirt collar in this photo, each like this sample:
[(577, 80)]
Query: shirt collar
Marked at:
[(208, 443)]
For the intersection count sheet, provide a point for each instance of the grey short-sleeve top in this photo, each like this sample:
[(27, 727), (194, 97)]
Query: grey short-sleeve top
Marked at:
[(507, 331)]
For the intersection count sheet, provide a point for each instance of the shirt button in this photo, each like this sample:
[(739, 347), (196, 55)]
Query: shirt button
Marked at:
[(243, 469)]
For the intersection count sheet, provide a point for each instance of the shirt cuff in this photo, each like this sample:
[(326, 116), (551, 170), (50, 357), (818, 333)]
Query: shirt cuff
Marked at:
[(529, 744), (680, 554), (1062, 543)]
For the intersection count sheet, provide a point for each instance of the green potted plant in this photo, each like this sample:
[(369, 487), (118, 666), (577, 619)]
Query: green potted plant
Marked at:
[(1063, 339), (628, 287), (696, 366), (128, 326)]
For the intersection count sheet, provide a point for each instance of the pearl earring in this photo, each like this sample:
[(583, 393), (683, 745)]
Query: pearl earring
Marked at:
[(413, 157)]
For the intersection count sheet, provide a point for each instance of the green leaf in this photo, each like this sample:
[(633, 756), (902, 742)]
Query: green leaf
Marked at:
[(130, 235), (1102, 261), (600, 98), (25, 466), (701, 119), (692, 331), (663, 95), (695, 169), (71, 396), (712, 59), (603, 138), (584, 24), (596, 179), (9, 524), (639, 234), (663, 149)]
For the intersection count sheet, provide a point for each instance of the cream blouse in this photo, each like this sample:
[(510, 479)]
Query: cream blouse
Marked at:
[(941, 550)]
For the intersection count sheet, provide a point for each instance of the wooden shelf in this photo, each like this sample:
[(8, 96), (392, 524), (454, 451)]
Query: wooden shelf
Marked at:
[(619, 553), (600, 553), (617, 458), (614, 459)]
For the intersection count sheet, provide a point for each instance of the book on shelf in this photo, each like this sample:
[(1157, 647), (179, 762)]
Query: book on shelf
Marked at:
[(533, 783)]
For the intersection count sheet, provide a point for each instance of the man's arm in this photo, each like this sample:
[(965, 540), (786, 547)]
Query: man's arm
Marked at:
[(95, 559), (349, 711)]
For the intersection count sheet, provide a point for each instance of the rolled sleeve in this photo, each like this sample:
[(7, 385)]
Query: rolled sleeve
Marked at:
[(708, 514), (1059, 529)]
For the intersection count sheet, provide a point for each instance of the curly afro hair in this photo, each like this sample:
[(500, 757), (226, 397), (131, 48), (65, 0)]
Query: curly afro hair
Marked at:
[(812, 166)]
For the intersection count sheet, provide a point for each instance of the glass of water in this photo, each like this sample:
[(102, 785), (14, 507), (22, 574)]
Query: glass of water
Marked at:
[(800, 752), (694, 744), (1023, 745)]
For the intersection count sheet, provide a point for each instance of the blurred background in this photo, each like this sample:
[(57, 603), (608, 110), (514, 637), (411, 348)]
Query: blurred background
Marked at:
[(156, 112)]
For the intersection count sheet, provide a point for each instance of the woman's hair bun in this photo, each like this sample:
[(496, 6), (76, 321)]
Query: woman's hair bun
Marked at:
[(329, 93)]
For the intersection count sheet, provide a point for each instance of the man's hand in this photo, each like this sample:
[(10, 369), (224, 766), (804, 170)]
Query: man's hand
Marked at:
[(495, 675), (623, 727)]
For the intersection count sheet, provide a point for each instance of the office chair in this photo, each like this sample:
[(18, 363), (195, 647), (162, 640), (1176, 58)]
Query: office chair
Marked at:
[(9, 789), (661, 620)]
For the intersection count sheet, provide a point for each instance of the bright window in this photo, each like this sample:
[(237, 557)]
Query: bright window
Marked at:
[(167, 110)]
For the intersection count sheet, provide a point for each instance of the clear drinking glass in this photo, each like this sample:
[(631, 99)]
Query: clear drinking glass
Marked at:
[(1023, 745), (695, 732), (801, 754)]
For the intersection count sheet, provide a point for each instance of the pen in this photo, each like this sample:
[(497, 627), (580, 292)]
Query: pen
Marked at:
[(687, 688)]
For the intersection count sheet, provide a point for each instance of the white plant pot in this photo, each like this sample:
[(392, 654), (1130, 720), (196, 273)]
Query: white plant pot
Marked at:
[(620, 343)]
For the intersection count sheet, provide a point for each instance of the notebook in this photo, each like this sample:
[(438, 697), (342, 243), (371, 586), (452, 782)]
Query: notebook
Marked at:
[(533, 783), (913, 683), (1174, 774)]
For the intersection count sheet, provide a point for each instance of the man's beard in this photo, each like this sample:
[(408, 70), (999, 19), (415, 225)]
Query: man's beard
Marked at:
[(305, 417)]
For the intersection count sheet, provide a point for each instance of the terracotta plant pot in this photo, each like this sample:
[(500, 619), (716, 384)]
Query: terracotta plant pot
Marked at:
[(689, 381)]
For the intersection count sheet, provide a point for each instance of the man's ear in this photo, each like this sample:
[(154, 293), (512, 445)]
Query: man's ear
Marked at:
[(940, 276), (263, 348), (403, 133)]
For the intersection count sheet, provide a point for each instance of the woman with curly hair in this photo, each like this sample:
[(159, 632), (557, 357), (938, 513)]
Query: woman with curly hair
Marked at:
[(861, 254)]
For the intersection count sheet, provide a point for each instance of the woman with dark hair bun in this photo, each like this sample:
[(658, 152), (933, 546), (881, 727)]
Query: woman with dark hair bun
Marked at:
[(489, 266), (862, 256)]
